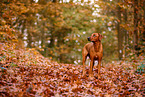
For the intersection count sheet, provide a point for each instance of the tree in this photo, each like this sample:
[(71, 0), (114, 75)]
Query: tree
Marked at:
[(144, 21), (136, 12), (126, 35), (120, 33), (59, 29)]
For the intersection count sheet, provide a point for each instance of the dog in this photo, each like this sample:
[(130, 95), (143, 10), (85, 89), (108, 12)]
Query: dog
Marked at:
[(95, 52)]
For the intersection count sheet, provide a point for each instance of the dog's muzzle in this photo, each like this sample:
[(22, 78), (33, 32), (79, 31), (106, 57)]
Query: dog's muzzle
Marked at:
[(89, 39)]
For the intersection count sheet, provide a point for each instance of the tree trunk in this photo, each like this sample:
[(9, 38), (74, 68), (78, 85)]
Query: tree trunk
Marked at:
[(120, 35), (29, 39), (125, 31), (55, 1), (52, 40), (42, 37), (144, 21), (135, 37)]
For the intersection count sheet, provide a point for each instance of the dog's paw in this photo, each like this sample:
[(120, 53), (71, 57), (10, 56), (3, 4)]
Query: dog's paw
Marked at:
[(91, 78)]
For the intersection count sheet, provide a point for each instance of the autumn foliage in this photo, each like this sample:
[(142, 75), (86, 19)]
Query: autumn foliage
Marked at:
[(34, 34), (25, 72)]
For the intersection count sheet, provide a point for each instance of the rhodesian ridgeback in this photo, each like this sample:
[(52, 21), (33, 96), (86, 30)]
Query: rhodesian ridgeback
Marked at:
[(95, 52)]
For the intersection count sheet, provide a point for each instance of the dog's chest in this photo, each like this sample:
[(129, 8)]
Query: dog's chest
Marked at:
[(95, 57)]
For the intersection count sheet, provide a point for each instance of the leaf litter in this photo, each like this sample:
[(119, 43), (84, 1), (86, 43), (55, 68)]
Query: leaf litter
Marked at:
[(25, 72)]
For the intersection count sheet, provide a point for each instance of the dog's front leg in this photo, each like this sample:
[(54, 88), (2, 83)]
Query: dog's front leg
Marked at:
[(84, 60), (91, 68), (84, 55)]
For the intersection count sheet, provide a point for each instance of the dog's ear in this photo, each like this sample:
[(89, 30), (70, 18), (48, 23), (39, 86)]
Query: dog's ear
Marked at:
[(100, 36)]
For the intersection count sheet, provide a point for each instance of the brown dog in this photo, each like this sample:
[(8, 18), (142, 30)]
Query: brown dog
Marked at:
[(95, 52)]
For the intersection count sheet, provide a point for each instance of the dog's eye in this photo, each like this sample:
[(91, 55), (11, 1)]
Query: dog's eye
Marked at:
[(94, 35)]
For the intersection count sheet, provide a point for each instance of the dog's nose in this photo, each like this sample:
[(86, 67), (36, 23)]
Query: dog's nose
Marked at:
[(88, 38)]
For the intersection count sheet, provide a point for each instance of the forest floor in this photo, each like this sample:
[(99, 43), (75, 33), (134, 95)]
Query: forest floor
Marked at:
[(25, 72)]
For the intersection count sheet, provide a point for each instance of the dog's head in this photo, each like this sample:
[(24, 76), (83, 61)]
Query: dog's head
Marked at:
[(95, 37)]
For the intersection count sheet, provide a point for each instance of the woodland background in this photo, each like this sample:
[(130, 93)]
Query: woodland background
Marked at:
[(41, 43), (59, 29)]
